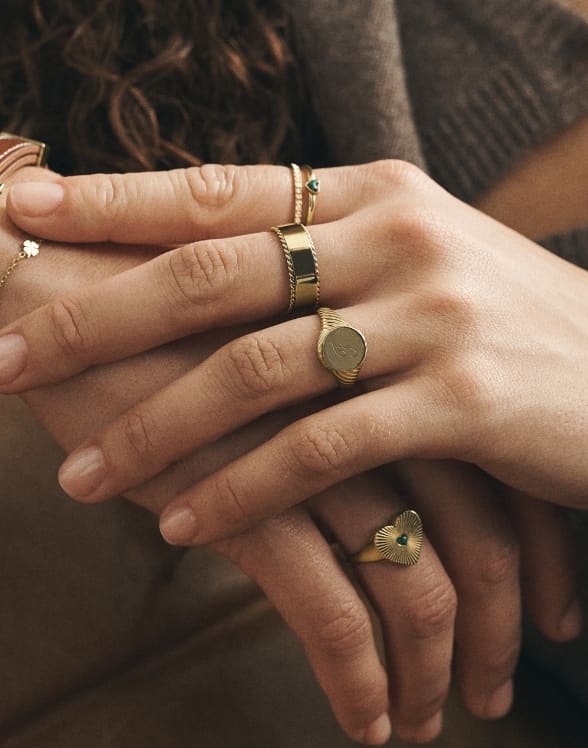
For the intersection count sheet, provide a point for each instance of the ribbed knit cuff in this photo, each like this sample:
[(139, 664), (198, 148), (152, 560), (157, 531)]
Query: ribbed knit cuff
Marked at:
[(539, 87)]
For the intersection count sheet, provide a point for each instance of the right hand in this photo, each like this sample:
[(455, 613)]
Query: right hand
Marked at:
[(416, 606)]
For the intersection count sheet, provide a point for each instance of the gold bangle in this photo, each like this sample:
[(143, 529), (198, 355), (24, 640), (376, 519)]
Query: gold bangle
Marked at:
[(17, 152), (302, 264), (312, 187)]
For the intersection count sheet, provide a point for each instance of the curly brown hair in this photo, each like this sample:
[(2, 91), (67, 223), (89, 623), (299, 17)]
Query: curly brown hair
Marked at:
[(141, 84)]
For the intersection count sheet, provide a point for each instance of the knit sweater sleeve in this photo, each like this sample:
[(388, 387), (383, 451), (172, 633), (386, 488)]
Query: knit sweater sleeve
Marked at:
[(352, 56)]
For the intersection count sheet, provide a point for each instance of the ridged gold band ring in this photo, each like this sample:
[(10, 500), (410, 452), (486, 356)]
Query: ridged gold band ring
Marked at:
[(341, 348), (400, 541), (302, 264)]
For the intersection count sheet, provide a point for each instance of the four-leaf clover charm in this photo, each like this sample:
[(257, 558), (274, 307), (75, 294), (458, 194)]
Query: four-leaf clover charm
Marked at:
[(30, 247)]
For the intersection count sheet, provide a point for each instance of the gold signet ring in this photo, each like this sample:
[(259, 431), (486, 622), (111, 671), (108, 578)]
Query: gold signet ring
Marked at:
[(341, 348)]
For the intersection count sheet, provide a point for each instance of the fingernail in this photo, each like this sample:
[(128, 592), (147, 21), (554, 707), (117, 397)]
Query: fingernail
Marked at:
[(13, 357), (178, 525), (500, 701), (379, 731), (36, 199), (572, 621), (82, 472)]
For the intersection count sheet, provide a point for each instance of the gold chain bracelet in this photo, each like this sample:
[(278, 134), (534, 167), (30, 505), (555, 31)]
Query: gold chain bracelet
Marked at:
[(17, 152), (30, 248)]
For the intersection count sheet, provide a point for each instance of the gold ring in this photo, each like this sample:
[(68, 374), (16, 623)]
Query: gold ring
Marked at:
[(312, 186), (297, 182), (400, 542), (341, 348), (302, 264)]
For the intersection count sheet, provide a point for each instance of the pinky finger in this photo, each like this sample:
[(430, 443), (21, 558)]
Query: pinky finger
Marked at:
[(548, 567), (293, 564)]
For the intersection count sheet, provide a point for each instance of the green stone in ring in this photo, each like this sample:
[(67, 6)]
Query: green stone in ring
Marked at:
[(314, 186), (402, 539)]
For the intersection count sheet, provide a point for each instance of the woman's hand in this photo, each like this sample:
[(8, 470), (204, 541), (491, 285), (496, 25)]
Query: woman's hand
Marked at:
[(417, 627), (478, 338)]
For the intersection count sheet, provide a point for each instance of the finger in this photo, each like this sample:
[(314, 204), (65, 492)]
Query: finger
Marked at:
[(416, 606), (478, 547), (187, 290), (295, 567), (548, 566), (177, 206), (400, 421), (250, 376)]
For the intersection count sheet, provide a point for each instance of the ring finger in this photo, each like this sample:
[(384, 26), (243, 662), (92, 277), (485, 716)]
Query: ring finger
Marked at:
[(248, 377), (416, 606)]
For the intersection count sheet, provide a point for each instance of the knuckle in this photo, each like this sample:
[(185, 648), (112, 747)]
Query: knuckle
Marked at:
[(320, 451), (69, 326), (344, 630), (392, 174), (202, 272), (498, 563), (463, 387), (230, 509), (420, 233), (499, 664), (109, 193), (255, 367), (433, 611), (138, 434), (211, 185)]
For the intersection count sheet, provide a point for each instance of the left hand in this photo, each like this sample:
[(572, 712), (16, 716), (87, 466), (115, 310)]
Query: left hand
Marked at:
[(478, 338)]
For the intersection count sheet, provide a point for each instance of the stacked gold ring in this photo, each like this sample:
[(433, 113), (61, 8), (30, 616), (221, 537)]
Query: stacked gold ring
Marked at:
[(306, 185), (302, 264)]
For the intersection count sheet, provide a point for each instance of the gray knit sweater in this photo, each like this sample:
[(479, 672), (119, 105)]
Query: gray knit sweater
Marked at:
[(464, 89)]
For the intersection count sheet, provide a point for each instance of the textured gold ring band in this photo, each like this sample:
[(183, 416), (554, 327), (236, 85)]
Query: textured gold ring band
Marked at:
[(298, 194), (302, 264), (400, 541)]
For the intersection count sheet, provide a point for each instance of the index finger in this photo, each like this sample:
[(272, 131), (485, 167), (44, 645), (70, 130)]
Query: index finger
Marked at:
[(173, 207)]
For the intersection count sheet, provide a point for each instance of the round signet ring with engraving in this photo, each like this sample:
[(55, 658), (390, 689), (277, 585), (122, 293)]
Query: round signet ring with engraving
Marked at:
[(341, 347)]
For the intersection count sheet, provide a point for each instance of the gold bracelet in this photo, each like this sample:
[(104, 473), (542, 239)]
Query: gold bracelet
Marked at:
[(15, 153), (30, 248)]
